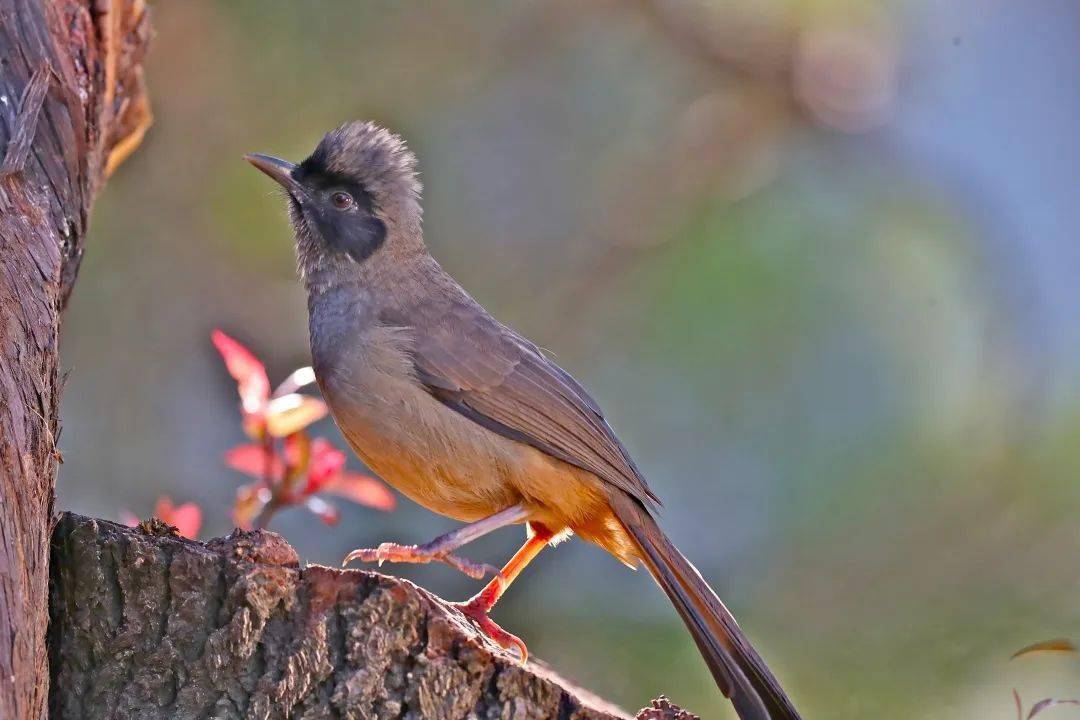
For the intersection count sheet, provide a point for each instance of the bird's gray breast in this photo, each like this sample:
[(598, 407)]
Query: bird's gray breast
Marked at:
[(437, 457), (364, 367)]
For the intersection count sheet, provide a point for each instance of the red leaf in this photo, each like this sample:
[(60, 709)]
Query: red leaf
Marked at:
[(253, 459), (326, 512), (360, 489), (249, 373), (326, 462), (186, 518)]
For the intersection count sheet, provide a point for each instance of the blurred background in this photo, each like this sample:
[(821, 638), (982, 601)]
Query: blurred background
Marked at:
[(816, 258)]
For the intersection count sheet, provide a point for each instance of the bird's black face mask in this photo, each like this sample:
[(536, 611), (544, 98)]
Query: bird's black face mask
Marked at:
[(340, 212)]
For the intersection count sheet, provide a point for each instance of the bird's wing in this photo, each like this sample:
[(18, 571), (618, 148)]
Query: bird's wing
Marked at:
[(493, 376)]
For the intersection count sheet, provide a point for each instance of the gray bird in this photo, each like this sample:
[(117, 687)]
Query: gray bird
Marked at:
[(465, 416)]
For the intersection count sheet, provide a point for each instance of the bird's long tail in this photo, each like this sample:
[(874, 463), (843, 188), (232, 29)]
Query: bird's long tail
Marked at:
[(739, 671)]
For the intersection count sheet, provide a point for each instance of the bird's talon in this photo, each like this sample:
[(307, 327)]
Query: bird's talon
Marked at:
[(355, 555), (492, 631), (475, 570), (392, 552)]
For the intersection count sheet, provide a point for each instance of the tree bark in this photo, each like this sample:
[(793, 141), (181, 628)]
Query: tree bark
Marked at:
[(148, 625), (72, 106)]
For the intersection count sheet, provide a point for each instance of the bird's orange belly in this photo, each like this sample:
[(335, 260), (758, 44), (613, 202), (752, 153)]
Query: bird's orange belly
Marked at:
[(458, 468)]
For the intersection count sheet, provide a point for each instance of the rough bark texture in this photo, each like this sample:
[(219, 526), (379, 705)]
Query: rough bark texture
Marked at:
[(148, 625), (71, 107)]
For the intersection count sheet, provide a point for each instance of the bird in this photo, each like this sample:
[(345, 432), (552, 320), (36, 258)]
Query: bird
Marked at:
[(465, 416)]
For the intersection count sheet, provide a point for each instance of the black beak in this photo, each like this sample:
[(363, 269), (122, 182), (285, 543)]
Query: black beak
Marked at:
[(280, 170)]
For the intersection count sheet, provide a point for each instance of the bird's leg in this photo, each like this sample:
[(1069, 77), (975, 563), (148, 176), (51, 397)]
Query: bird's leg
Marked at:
[(478, 606), (441, 549)]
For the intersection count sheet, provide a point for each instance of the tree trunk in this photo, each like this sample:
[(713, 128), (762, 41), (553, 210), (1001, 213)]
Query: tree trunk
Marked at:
[(72, 107), (148, 625)]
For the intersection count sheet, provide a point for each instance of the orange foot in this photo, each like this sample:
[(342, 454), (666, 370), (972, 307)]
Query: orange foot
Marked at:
[(477, 611), (392, 552)]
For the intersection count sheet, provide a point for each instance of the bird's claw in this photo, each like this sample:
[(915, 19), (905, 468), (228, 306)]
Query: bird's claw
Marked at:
[(475, 570), (392, 552), (492, 631)]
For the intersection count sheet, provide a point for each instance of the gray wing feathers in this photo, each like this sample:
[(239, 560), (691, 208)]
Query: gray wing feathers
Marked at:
[(492, 375)]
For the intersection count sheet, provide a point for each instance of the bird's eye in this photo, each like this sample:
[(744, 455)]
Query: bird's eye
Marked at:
[(342, 200)]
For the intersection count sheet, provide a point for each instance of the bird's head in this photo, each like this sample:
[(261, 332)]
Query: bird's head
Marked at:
[(356, 196)]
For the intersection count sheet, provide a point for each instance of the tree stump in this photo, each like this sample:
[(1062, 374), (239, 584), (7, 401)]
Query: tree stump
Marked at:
[(145, 624)]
